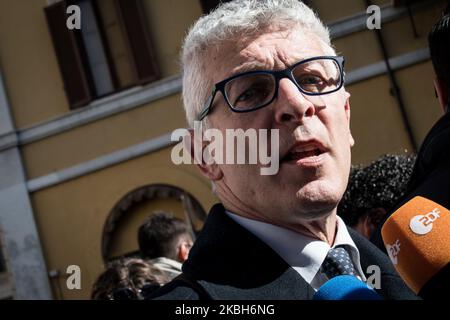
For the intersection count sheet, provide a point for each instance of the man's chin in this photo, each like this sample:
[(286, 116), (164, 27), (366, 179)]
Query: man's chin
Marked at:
[(317, 199), (315, 212)]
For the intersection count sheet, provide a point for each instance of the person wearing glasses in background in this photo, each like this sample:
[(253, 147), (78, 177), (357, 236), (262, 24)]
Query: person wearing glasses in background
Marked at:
[(269, 64), (128, 279)]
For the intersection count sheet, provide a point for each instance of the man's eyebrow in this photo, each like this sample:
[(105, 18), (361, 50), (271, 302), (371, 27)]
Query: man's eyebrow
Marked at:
[(249, 66), (260, 66)]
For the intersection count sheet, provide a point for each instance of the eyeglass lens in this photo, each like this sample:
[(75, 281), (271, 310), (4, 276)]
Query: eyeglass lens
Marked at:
[(254, 90)]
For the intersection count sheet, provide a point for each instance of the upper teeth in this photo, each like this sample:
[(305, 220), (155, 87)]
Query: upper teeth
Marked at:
[(304, 149)]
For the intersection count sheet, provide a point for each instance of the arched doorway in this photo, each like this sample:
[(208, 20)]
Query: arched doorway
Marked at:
[(119, 236)]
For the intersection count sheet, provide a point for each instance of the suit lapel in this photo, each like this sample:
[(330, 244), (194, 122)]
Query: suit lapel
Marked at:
[(231, 263), (392, 287), (369, 254)]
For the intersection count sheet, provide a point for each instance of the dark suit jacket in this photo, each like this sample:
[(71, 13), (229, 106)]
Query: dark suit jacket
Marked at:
[(431, 174), (228, 262)]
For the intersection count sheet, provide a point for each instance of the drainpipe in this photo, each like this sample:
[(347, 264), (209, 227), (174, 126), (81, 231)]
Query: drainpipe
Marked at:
[(394, 86)]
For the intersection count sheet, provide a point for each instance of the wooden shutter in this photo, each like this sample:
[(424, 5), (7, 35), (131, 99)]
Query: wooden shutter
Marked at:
[(70, 56), (137, 37)]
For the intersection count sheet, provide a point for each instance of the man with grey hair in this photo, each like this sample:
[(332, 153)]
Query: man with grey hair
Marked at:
[(271, 66)]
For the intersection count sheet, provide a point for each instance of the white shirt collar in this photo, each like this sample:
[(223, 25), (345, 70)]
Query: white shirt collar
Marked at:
[(304, 254)]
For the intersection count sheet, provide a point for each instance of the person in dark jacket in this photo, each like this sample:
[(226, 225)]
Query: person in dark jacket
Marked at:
[(435, 149), (267, 68), (431, 174)]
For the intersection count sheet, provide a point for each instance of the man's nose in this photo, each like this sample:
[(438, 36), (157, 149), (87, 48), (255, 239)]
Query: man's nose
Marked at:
[(291, 104)]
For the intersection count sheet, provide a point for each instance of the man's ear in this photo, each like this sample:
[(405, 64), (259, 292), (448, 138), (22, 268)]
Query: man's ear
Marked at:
[(441, 93), (347, 114), (368, 223), (183, 250), (365, 227), (372, 220), (196, 149)]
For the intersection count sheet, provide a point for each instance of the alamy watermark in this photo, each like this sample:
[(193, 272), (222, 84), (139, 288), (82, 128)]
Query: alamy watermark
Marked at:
[(374, 20), (73, 281), (236, 146), (74, 20)]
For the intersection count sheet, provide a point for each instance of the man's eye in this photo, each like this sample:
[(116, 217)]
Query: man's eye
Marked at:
[(254, 94), (246, 95), (310, 80)]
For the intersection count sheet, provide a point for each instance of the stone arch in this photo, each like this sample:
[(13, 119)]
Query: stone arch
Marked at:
[(194, 214)]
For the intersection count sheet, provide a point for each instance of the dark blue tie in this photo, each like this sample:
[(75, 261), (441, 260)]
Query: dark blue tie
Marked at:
[(338, 262)]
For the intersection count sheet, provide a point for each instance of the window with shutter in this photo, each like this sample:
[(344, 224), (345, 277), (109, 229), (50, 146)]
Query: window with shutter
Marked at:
[(70, 55), (112, 50), (138, 40)]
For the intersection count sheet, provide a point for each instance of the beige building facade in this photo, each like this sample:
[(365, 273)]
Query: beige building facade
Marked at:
[(83, 163)]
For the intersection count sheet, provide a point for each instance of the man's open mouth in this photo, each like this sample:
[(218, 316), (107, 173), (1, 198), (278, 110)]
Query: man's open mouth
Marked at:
[(308, 151)]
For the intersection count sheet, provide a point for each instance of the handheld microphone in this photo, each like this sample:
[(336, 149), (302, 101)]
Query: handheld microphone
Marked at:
[(417, 239), (345, 287)]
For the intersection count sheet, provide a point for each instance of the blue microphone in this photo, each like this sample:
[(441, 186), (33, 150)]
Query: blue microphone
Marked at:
[(346, 287)]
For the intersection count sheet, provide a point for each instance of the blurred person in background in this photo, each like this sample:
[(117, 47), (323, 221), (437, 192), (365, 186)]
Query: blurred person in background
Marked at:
[(165, 240), (128, 279), (431, 174), (373, 190), (434, 155)]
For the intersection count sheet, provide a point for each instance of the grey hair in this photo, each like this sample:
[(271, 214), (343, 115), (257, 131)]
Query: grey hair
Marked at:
[(227, 22)]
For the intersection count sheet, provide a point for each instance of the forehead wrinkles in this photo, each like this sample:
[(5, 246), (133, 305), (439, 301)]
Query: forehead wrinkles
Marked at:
[(266, 51), (275, 48), (272, 51), (266, 55)]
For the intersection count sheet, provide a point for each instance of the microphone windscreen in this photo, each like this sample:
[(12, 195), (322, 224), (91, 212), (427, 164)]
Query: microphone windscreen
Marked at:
[(345, 287), (417, 239)]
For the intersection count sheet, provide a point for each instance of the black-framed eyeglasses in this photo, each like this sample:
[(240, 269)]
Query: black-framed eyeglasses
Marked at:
[(253, 90), (127, 293)]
